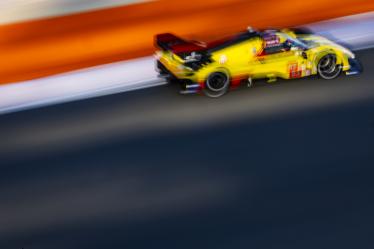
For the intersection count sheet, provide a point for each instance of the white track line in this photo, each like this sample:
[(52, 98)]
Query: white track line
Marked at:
[(357, 32)]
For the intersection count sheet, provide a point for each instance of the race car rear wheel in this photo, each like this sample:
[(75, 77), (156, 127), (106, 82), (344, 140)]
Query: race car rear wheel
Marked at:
[(328, 68), (217, 84)]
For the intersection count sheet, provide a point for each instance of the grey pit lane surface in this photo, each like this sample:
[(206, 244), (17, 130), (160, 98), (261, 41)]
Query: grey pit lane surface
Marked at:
[(288, 165)]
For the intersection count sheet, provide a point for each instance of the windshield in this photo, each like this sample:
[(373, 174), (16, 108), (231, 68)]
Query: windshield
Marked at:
[(294, 42)]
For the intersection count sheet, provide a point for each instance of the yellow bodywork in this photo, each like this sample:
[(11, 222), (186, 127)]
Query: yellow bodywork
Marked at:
[(247, 60)]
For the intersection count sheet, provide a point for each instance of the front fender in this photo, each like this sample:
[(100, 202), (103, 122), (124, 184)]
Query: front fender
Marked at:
[(317, 53)]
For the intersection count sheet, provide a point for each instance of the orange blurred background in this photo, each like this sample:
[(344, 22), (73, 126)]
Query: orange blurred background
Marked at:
[(45, 47)]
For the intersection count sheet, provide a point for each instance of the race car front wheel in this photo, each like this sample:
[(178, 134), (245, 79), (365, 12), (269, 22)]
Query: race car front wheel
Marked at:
[(327, 67), (217, 84)]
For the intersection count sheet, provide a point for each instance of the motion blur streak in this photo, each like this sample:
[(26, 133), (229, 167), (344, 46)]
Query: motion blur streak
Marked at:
[(97, 81), (12, 11), (71, 42), (132, 198), (356, 32)]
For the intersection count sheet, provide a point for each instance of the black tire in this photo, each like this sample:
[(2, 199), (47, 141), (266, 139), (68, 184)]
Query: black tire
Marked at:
[(327, 68), (217, 84)]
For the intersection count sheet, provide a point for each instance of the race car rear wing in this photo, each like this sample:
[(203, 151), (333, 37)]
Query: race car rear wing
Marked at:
[(167, 40)]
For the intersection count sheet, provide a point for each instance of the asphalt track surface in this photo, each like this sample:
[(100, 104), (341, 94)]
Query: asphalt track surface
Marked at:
[(287, 165)]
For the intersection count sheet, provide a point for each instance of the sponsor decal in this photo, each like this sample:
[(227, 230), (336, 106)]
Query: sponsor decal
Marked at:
[(271, 41), (294, 70)]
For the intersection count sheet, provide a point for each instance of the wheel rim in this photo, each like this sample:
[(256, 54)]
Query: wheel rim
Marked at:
[(327, 67), (217, 82)]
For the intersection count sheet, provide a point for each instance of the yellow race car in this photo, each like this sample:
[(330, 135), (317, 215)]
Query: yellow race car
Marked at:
[(216, 67)]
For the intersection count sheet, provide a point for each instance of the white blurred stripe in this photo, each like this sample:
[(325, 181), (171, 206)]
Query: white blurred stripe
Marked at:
[(82, 84), (23, 10), (356, 31)]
